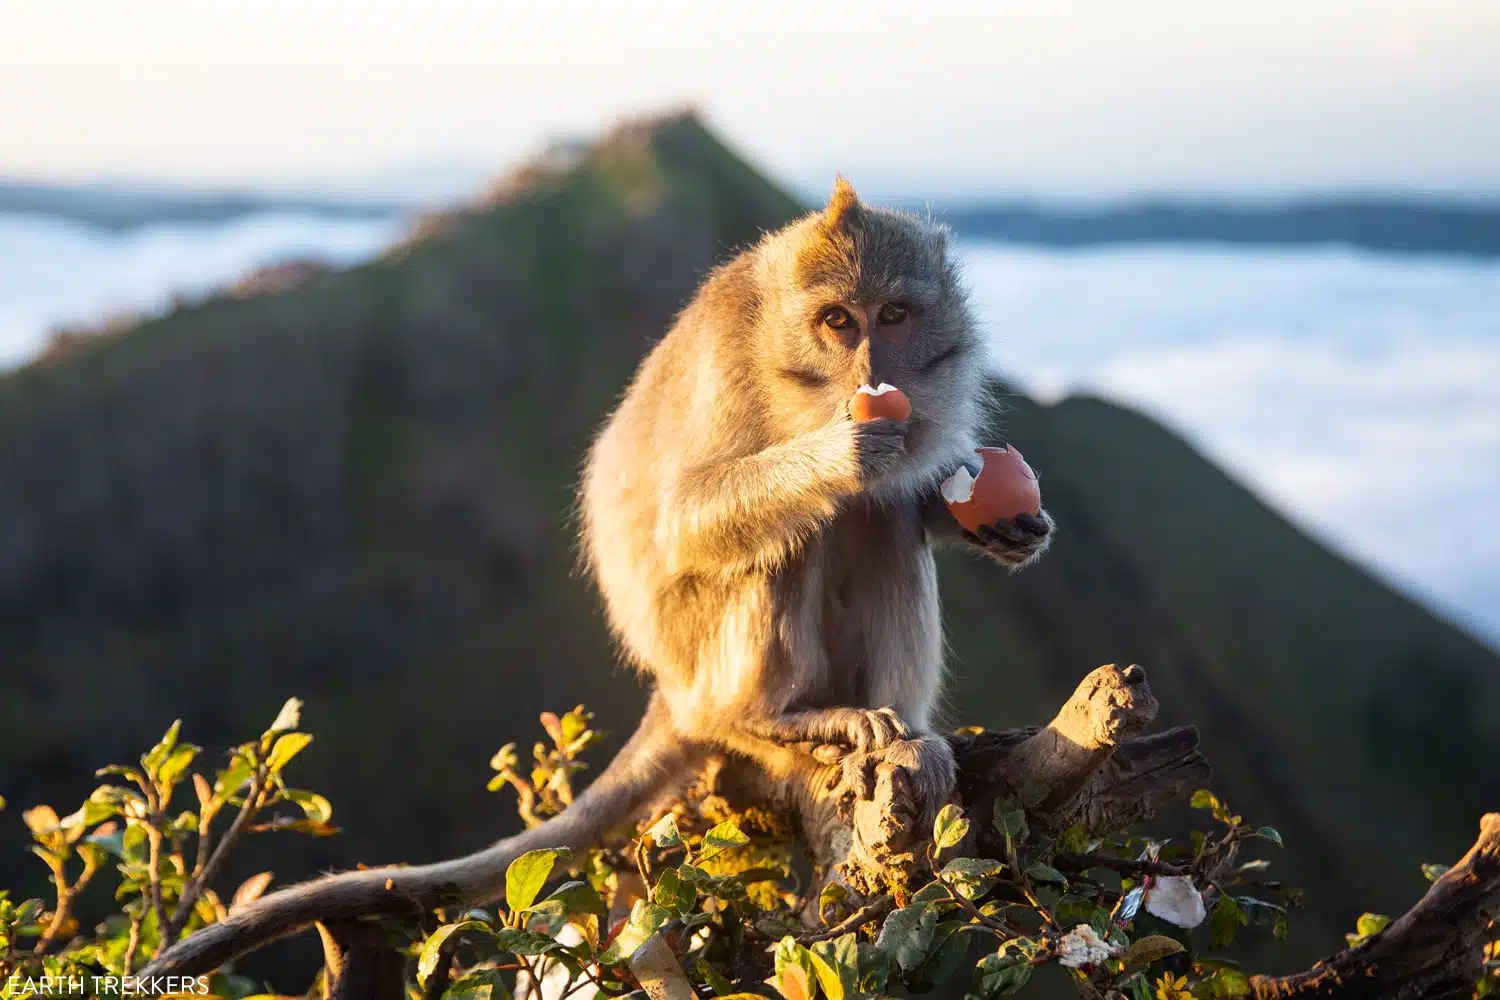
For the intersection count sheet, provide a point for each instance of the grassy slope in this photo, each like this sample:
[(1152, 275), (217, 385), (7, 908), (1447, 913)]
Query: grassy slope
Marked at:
[(357, 493)]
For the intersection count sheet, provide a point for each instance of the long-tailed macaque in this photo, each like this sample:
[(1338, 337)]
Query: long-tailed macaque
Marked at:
[(766, 559)]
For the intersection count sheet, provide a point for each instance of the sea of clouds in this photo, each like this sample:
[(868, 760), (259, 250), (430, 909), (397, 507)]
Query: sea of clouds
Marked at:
[(1358, 393), (55, 272)]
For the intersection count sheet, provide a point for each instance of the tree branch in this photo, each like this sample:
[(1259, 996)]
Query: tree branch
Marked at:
[(1433, 952)]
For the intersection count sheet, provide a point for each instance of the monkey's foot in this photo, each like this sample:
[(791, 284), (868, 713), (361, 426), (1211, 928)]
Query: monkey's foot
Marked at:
[(840, 729), (889, 797)]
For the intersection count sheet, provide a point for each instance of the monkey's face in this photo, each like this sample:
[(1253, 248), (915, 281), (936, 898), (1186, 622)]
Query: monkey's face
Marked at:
[(857, 295)]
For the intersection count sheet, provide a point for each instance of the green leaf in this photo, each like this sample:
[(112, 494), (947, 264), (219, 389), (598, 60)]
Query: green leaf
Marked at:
[(949, 827), (526, 876), (1224, 983), (794, 970), (153, 758), (1270, 833), (233, 778), (1368, 925), (1259, 912), (933, 892), (574, 725), (288, 745), (289, 718), (1043, 872), (549, 916), (1010, 822), (176, 764), (833, 894), (674, 892), (1204, 799), (907, 935), (481, 985), (836, 964), (1002, 974), (314, 806), (722, 838), (827, 976), (579, 899), (1227, 919), (664, 832), (113, 842), (432, 949), (720, 986), (525, 942), (971, 877), (645, 920), (1152, 948), (1434, 872)]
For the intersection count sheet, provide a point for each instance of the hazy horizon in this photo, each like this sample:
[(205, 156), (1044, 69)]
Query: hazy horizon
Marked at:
[(1083, 101)]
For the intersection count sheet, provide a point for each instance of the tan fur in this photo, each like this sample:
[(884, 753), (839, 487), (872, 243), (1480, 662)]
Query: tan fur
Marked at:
[(765, 559)]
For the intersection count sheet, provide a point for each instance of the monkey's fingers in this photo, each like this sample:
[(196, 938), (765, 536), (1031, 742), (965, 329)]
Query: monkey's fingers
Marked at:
[(1035, 526), (1023, 530), (872, 730)]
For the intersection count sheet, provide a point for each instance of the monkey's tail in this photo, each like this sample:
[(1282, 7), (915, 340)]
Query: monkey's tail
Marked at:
[(652, 756)]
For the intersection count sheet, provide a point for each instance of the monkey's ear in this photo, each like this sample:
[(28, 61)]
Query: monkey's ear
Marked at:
[(842, 205)]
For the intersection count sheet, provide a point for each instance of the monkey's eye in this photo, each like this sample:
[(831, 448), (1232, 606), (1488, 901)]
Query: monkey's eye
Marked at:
[(838, 318), (893, 312)]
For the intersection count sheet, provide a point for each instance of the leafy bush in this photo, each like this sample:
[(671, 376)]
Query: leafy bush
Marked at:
[(1125, 915)]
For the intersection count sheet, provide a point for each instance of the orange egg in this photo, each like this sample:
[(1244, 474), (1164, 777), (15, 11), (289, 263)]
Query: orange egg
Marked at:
[(884, 401), (1004, 487)]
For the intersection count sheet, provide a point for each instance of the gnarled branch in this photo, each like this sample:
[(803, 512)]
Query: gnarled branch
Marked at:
[(1432, 952)]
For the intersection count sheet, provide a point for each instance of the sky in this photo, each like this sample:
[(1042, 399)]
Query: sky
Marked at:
[(1071, 99)]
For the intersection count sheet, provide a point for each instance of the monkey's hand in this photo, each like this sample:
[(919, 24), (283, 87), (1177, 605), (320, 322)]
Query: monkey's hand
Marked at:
[(1015, 542), (877, 445)]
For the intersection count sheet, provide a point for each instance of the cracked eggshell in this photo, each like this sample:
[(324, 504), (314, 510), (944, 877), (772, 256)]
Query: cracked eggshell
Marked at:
[(1004, 487), (877, 402)]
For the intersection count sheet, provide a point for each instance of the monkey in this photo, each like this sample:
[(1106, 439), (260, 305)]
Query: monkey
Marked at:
[(762, 557)]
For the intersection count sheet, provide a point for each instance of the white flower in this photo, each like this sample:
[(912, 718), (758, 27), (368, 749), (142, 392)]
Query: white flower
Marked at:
[(1173, 899), (1083, 946)]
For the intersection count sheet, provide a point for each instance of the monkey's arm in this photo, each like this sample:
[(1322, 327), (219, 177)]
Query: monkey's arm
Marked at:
[(756, 510), (1014, 542)]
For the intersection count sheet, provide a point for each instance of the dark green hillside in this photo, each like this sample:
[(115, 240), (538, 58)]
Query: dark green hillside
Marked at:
[(357, 492), (1330, 706)]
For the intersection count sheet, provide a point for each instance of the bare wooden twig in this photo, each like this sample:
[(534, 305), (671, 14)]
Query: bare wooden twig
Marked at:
[(873, 910), (210, 871)]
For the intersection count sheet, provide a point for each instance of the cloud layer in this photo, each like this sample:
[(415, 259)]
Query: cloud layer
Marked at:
[(1359, 394)]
